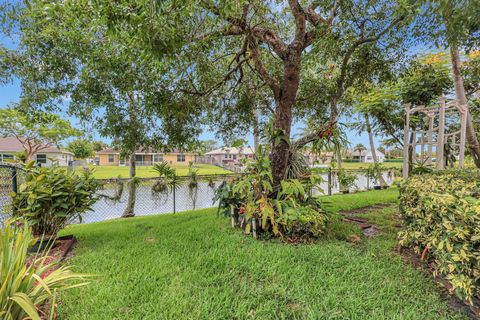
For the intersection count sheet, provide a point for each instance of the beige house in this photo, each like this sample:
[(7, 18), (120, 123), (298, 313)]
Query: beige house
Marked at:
[(314, 159), (228, 156), (10, 146), (143, 157)]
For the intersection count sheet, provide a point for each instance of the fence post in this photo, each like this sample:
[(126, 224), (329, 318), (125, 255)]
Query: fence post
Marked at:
[(174, 204), (329, 181), (14, 180)]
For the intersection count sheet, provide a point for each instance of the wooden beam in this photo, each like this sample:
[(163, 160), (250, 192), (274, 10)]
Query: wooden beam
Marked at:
[(441, 136), (406, 145), (430, 139)]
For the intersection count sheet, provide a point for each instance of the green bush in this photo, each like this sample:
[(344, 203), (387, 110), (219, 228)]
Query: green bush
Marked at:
[(27, 283), (51, 197), (288, 213), (441, 217)]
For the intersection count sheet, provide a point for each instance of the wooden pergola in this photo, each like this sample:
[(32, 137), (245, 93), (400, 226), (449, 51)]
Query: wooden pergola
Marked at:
[(435, 134)]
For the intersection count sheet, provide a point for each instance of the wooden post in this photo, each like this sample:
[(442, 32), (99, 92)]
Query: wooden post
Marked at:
[(440, 164), (414, 146), (405, 141), (463, 133), (232, 215), (430, 138)]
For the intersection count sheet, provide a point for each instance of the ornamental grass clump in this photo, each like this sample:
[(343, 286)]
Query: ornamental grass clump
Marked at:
[(441, 218), (52, 197), (29, 284)]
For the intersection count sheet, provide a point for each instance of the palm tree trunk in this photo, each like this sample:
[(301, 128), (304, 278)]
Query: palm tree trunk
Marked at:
[(372, 148), (132, 191), (472, 139)]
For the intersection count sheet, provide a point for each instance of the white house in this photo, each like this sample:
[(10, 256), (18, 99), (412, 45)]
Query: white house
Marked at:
[(228, 156), (366, 156), (9, 146)]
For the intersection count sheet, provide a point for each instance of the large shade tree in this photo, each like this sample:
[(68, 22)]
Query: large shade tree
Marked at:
[(272, 41), (221, 60), (66, 49)]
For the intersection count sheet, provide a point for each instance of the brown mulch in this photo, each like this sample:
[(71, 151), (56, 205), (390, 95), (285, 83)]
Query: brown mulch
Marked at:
[(61, 249), (410, 257)]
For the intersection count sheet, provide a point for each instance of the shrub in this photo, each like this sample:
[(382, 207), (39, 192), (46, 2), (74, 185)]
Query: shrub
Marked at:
[(346, 179), (288, 212), (28, 283), (441, 217), (51, 197)]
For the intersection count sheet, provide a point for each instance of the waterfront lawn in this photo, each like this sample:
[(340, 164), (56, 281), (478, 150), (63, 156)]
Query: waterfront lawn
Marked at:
[(193, 265), (107, 172)]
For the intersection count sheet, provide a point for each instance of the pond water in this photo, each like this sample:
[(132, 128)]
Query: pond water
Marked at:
[(148, 203)]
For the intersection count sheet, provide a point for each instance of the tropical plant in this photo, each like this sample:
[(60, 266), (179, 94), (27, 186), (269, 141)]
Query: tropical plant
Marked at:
[(193, 184), (51, 197), (441, 221), (374, 172), (29, 283), (346, 180), (291, 214), (168, 180)]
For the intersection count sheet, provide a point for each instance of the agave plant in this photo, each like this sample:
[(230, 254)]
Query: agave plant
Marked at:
[(27, 283)]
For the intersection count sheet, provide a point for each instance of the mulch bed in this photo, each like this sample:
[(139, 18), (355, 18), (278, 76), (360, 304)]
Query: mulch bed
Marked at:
[(58, 252), (412, 258)]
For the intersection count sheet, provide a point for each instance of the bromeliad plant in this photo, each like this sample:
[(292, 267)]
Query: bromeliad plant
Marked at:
[(52, 197), (288, 213), (29, 283), (168, 180)]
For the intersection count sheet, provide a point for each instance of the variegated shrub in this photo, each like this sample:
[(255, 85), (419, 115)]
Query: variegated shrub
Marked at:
[(441, 220)]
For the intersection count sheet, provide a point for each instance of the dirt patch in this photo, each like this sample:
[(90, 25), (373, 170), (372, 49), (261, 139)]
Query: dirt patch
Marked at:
[(364, 210), (410, 257)]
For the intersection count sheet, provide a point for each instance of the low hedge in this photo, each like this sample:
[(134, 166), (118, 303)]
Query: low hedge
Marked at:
[(441, 221)]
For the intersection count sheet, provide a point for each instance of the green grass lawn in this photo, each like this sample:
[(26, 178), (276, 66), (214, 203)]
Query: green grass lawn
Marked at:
[(193, 265), (106, 172), (363, 165)]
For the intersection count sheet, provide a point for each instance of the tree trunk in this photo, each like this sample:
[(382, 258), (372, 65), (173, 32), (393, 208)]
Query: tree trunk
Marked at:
[(372, 148), (256, 130), (471, 136), (282, 123), (132, 191)]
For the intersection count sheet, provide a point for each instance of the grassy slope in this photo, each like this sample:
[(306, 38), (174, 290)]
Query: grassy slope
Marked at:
[(194, 266), (105, 172), (362, 165)]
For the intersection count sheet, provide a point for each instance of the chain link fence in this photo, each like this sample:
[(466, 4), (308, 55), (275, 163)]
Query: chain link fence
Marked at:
[(114, 193), (10, 177)]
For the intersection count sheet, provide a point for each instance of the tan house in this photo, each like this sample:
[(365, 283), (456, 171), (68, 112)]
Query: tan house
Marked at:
[(228, 155), (46, 156), (143, 157), (314, 159)]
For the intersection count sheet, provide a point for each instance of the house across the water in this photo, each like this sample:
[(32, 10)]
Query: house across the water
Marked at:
[(143, 157), (10, 147), (228, 156), (366, 156)]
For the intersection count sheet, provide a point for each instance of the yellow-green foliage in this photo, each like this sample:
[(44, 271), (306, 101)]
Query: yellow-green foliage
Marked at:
[(441, 214)]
